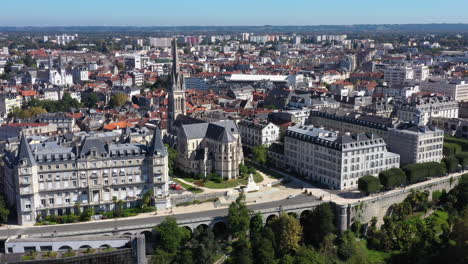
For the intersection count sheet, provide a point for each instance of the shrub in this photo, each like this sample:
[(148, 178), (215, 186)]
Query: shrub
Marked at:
[(451, 149), (368, 184), (420, 171), (451, 163), (392, 178), (462, 158)]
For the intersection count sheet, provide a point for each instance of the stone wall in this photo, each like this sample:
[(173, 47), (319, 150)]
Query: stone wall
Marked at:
[(379, 206), (198, 197)]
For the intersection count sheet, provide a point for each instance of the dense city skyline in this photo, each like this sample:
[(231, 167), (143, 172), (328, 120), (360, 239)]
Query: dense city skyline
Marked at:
[(213, 13)]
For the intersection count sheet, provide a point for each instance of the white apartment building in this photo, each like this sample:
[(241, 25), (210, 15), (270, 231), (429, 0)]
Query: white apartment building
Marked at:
[(132, 61), (421, 110), (8, 102), (256, 134), (455, 88), (336, 160), (400, 75), (416, 144), (160, 42)]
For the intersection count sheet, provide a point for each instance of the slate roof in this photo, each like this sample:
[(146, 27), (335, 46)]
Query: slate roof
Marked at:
[(25, 153), (223, 131)]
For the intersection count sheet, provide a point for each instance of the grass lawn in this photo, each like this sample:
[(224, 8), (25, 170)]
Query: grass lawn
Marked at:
[(189, 188), (232, 183), (440, 218), (265, 170), (375, 256)]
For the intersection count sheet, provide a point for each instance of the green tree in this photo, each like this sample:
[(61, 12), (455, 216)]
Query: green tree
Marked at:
[(172, 157), (319, 224), (451, 163), (308, 255), (118, 99), (170, 236), (4, 212), (147, 198), (288, 233), (260, 154), (392, 178), (91, 100), (368, 184), (241, 253), (239, 217)]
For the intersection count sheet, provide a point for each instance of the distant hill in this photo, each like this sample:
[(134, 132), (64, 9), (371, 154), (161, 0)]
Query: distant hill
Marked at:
[(453, 28)]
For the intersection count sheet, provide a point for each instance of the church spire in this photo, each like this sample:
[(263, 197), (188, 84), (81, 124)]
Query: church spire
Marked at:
[(175, 60)]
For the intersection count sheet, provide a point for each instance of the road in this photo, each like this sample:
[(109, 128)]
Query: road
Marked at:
[(151, 220)]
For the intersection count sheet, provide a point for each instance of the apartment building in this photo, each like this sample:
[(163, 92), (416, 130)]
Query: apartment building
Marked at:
[(336, 160), (455, 88), (417, 138), (257, 133), (54, 177), (8, 102), (399, 75), (422, 109), (416, 144)]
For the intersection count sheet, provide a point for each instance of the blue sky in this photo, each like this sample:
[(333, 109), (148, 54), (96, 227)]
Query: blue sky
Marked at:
[(224, 12)]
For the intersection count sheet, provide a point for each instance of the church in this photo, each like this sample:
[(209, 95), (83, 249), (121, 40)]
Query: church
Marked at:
[(203, 148), (59, 77)]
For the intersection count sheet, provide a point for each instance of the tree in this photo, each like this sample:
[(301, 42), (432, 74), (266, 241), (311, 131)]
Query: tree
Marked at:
[(451, 163), (319, 224), (256, 229), (346, 246), (451, 149), (91, 100), (4, 212), (241, 253), (238, 217), (288, 233), (368, 184), (147, 198), (392, 178), (260, 154), (118, 99), (171, 236), (171, 158), (308, 255)]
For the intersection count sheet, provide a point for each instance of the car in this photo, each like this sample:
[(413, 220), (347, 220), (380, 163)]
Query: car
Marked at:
[(291, 196)]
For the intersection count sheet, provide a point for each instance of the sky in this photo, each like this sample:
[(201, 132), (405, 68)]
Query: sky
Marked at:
[(224, 12)]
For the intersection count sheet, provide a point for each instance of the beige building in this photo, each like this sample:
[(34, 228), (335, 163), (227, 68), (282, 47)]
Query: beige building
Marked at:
[(455, 88), (51, 178), (206, 148)]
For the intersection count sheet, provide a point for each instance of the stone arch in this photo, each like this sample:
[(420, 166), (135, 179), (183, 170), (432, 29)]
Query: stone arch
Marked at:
[(220, 230), (127, 234), (271, 218), (202, 228), (148, 234), (188, 228), (85, 246), (64, 248), (105, 246), (304, 215), (293, 214)]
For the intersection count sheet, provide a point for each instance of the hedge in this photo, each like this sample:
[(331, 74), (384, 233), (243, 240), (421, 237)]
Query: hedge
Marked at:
[(368, 184), (451, 149), (463, 143), (462, 158), (451, 163), (420, 171), (392, 178)]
